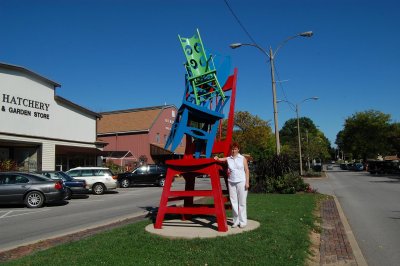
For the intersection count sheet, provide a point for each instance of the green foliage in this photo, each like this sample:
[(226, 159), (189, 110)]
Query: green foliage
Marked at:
[(367, 134), (254, 135), (8, 165), (115, 168), (313, 142), (312, 173), (276, 175)]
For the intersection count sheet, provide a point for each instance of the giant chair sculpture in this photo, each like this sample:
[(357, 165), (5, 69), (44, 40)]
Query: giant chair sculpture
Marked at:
[(203, 101), (198, 120), (189, 167)]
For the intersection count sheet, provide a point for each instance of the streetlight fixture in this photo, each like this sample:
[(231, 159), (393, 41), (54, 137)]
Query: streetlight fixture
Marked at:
[(296, 106), (271, 57)]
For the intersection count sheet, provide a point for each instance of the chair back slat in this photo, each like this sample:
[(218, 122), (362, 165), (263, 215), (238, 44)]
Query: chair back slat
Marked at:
[(196, 57)]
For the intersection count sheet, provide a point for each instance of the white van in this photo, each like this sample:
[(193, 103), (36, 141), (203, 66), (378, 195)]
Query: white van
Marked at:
[(98, 179)]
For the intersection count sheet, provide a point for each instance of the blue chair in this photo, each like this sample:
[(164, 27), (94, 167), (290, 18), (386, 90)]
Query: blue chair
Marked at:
[(199, 122)]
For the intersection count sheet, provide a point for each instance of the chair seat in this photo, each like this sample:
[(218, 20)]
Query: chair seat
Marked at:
[(190, 162)]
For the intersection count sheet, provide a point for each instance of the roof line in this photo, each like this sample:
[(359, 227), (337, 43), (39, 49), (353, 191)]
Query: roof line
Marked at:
[(83, 109), (121, 132), (29, 72), (138, 109)]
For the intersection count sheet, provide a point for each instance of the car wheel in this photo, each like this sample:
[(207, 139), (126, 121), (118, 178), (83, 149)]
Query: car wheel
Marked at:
[(68, 194), (34, 199), (161, 182), (125, 183), (98, 189)]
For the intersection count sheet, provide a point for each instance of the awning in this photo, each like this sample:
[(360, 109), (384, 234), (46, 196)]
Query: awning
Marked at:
[(156, 150), (72, 150)]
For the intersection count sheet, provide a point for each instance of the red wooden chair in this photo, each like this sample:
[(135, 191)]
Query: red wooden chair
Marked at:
[(190, 167)]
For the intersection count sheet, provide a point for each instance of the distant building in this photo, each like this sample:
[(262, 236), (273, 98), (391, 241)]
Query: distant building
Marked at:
[(135, 134), (40, 130)]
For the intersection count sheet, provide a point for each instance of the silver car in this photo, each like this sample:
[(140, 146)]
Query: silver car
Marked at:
[(98, 179)]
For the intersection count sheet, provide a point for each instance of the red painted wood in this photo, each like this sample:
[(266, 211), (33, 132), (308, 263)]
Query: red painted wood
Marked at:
[(189, 168)]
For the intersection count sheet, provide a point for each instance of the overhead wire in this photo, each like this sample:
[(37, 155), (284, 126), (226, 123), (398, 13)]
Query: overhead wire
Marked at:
[(252, 39), (239, 22)]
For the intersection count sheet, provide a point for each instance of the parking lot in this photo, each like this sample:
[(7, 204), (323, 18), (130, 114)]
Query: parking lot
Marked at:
[(20, 225)]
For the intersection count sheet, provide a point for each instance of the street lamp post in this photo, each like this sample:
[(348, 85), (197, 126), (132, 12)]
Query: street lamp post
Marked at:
[(296, 106), (271, 57)]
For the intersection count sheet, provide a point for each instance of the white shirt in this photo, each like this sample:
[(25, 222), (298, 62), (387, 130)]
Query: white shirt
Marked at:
[(236, 169)]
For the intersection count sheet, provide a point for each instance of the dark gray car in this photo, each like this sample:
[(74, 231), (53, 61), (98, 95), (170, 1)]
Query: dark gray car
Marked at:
[(30, 189)]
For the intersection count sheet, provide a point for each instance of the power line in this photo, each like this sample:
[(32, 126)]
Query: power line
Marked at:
[(252, 39), (238, 21)]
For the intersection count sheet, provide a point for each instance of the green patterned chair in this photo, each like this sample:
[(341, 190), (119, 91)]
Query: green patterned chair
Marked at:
[(200, 69)]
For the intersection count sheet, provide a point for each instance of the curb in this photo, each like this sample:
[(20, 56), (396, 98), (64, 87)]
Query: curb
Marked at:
[(359, 257)]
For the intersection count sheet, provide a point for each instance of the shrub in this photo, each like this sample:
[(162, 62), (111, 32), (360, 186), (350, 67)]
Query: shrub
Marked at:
[(115, 168), (8, 165), (276, 175), (311, 173)]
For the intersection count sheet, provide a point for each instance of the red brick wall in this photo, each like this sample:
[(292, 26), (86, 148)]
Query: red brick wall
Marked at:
[(162, 126), (139, 144)]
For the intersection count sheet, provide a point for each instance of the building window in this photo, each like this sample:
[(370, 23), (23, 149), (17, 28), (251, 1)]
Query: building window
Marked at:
[(158, 138), (165, 138), (173, 113)]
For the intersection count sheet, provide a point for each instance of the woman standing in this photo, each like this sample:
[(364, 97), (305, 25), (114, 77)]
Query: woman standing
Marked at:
[(238, 184)]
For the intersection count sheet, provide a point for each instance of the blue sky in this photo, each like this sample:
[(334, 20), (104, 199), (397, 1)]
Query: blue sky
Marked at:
[(113, 55)]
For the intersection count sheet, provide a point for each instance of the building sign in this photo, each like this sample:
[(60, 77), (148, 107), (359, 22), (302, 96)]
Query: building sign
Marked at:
[(24, 106)]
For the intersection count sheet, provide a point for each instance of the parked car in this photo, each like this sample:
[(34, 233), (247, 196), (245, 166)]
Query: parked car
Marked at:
[(33, 190), (98, 179), (146, 174), (383, 167), (358, 167), (344, 166), (72, 186)]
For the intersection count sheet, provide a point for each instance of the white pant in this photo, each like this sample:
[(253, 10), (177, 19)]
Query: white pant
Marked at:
[(238, 198)]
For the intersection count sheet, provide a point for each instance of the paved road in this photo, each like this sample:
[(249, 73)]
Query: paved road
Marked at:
[(20, 225), (371, 204)]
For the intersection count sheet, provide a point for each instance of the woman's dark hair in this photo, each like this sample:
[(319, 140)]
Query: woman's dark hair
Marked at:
[(235, 145)]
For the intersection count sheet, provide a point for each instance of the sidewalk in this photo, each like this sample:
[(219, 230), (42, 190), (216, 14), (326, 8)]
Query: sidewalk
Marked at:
[(338, 245)]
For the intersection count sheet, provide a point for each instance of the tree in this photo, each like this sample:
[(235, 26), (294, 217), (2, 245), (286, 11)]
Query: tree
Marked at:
[(367, 134), (394, 138), (254, 135), (313, 142)]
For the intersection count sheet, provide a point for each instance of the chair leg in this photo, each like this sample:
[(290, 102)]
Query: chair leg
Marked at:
[(162, 209), (218, 199), (189, 200)]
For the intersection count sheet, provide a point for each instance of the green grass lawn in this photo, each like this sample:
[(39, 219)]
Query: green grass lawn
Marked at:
[(282, 239)]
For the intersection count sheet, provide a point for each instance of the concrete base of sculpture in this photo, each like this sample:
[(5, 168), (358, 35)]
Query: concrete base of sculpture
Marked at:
[(198, 227)]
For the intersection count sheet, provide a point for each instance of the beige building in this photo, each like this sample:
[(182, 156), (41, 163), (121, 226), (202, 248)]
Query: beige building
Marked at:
[(40, 130)]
